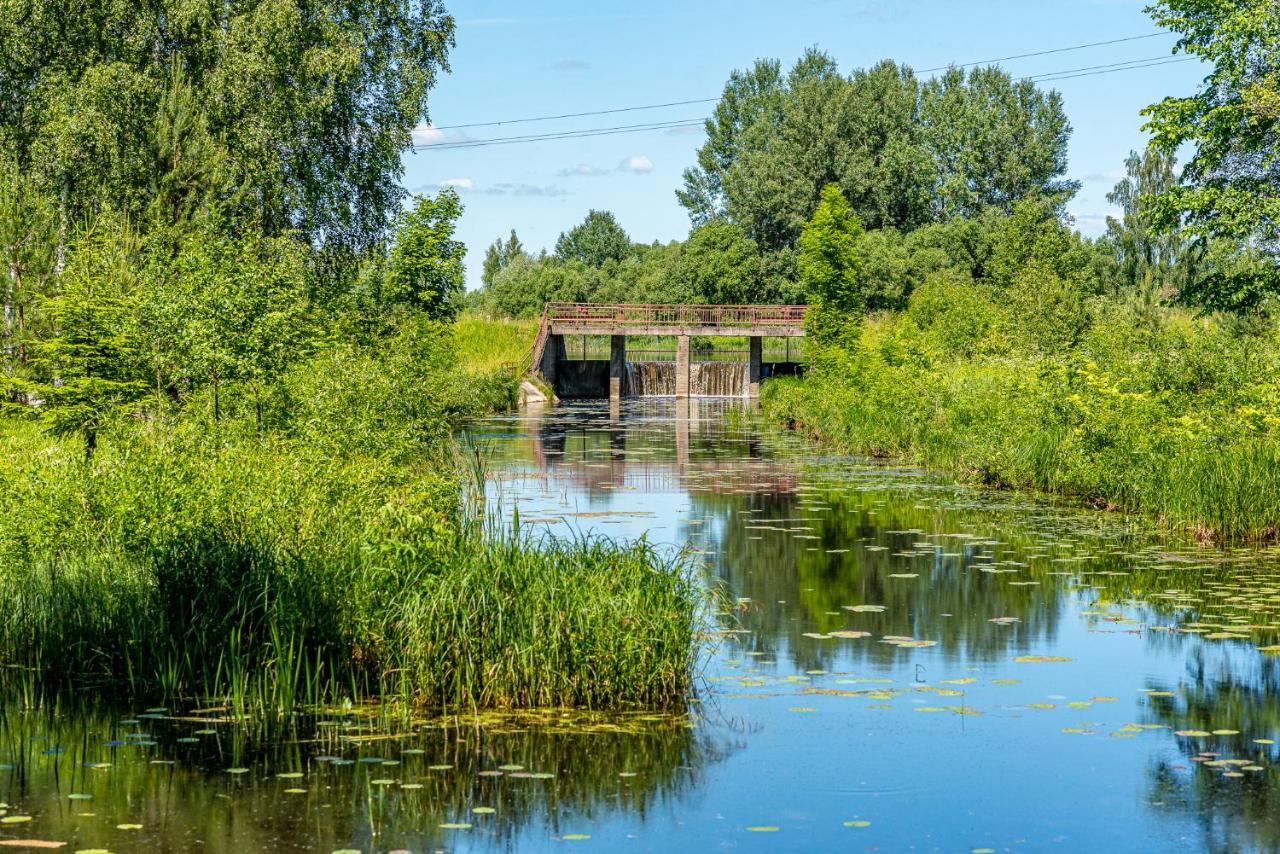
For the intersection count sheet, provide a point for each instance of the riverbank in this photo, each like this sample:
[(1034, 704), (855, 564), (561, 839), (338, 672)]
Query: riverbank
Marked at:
[(337, 551), (1153, 411)]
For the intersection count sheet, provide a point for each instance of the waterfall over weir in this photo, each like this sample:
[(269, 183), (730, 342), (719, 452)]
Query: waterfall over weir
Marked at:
[(706, 379)]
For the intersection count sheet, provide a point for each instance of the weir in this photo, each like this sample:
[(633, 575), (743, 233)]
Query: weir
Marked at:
[(686, 376)]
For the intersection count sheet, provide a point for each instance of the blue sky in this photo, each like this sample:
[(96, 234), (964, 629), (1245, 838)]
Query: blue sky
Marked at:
[(518, 59)]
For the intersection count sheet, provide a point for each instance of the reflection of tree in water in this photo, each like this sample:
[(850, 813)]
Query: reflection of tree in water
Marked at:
[(953, 599), (1223, 690), (183, 792)]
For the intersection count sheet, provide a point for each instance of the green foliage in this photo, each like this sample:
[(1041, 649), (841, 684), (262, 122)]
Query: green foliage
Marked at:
[(1141, 411), (499, 256), (597, 240), (336, 552), (312, 105), (1230, 190), (93, 355), (830, 267), (993, 141), (1149, 263), (28, 238), (424, 270), (720, 264), (957, 317), (904, 153)]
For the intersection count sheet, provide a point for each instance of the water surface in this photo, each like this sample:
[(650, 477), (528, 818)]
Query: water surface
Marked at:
[(895, 664)]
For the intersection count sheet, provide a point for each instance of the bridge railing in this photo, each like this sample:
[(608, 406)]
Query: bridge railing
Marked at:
[(761, 317)]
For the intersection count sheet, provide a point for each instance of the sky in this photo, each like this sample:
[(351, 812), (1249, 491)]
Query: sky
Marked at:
[(526, 58)]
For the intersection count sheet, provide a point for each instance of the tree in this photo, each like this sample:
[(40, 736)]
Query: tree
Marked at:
[(92, 362), (424, 269), (721, 265), (217, 309), (28, 236), (314, 102), (904, 154), (993, 141), (1230, 189), (597, 240), (830, 267), (1156, 263), (499, 256)]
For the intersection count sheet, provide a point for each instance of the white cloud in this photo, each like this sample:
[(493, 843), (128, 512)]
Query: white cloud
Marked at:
[(637, 163), (464, 184), (583, 170), (428, 135), (548, 191), (571, 65)]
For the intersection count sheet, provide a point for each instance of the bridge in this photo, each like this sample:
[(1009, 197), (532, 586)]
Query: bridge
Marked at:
[(683, 322)]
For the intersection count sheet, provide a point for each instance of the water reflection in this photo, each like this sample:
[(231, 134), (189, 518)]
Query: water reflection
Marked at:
[(163, 780), (1077, 654), (894, 663)]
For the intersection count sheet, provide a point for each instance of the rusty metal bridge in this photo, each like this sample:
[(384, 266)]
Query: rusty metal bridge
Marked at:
[(753, 322)]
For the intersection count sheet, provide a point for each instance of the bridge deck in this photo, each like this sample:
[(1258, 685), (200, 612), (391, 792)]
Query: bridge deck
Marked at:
[(781, 321)]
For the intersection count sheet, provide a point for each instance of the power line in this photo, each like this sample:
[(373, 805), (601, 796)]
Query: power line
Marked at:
[(1063, 74), (580, 115), (1045, 52), (571, 134), (1173, 61), (1110, 66), (638, 108)]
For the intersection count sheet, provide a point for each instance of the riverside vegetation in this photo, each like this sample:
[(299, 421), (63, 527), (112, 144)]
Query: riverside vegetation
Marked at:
[(231, 370)]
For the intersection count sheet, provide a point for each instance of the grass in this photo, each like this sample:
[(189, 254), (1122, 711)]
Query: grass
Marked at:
[(1161, 414), (338, 555)]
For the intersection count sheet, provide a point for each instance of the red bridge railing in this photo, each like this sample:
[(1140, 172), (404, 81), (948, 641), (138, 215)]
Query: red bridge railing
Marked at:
[(761, 317)]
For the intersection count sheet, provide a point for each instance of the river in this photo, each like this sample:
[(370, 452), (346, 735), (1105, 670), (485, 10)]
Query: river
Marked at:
[(892, 663)]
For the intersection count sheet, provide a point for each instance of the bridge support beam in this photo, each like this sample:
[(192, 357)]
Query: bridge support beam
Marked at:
[(617, 366), (755, 366), (682, 367)]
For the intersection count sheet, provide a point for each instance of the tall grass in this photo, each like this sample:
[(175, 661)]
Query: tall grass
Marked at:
[(1169, 416), (338, 555)]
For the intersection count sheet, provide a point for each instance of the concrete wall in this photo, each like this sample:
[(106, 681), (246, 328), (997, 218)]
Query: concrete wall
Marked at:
[(579, 379)]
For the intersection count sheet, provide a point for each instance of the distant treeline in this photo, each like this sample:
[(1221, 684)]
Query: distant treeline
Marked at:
[(963, 174)]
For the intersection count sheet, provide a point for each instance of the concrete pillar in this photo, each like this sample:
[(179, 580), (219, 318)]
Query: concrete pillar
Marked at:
[(682, 367), (552, 354), (755, 370), (617, 366)]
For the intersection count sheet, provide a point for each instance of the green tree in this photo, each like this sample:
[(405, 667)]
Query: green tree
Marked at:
[(903, 154), (1230, 189), (993, 141), (92, 362), (218, 309), (424, 269), (313, 102), (28, 238), (597, 240), (830, 268), (721, 265), (500, 255), (1150, 262)]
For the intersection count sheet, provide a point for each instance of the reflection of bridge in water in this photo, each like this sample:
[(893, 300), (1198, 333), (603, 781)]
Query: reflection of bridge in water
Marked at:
[(668, 455)]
